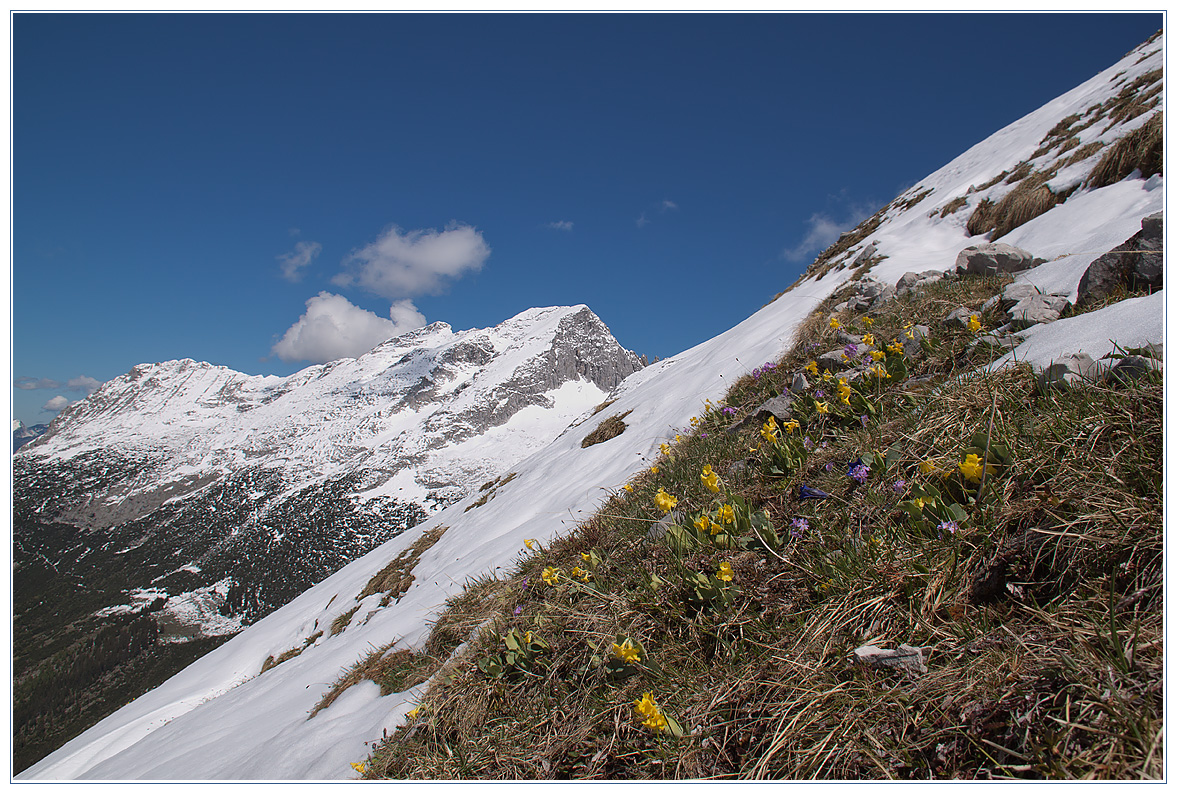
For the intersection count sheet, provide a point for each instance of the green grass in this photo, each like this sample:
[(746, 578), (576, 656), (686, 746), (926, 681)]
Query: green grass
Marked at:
[(1041, 609)]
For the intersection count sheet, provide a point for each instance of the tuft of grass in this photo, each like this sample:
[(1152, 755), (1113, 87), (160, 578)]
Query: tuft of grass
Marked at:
[(1143, 149), (341, 621), (610, 428), (1040, 613), (955, 205), (395, 579), (393, 670), (1029, 199)]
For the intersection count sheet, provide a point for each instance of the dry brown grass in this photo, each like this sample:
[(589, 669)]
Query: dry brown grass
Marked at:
[(610, 428), (393, 670), (395, 579), (1030, 198), (1143, 149), (953, 206)]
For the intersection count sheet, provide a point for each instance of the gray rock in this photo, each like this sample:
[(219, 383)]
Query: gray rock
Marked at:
[(1132, 368), (864, 255), (906, 658), (859, 303), (1137, 263), (658, 531), (997, 341), (990, 304), (841, 307), (911, 344), (907, 280), (780, 407), (799, 384), (1016, 292), (958, 317), (1069, 371), (990, 258), (1037, 309), (737, 469), (833, 361), (887, 294), (871, 288)]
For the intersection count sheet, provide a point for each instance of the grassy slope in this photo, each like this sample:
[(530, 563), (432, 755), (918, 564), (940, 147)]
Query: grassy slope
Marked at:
[(1041, 614)]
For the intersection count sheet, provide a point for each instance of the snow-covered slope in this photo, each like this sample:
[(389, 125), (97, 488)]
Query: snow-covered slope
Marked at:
[(220, 719)]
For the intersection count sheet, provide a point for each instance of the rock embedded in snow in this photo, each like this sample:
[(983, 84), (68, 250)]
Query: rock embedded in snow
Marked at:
[(990, 258), (1069, 371), (1037, 309), (1136, 263)]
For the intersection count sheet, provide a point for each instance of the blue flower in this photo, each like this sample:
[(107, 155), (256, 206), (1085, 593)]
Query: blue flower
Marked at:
[(899, 486), (805, 492), (859, 473)]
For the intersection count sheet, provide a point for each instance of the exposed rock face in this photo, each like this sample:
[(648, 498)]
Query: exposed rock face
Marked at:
[(992, 258), (1037, 308), (1136, 263)]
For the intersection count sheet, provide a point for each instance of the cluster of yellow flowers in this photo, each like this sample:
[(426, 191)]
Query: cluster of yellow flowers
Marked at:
[(646, 707), (626, 651), (551, 575), (822, 408), (664, 501), (834, 323), (705, 524), (844, 391), (768, 432), (710, 479), (971, 468), (579, 573), (974, 324), (725, 571), (725, 514), (868, 339)]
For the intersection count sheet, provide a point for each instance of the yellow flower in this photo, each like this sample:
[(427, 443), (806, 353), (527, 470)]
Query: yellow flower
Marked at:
[(665, 449), (895, 347), (626, 652), (878, 355), (580, 574), (584, 555), (412, 714), (358, 767), (725, 571), (974, 324), (551, 575), (868, 339), (910, 333), (879, 371), (768, 432), (677, 438), (664, 501), (647, 708), (792, 425), (844, 391), (927, 466), (826, 376), (527, 542), (694, 420), (726, 515), (971, 468), (653, 469), (710, 479), (834, 323), (812, 367), (702, 523), (868, 322), (822, 408), (628, 487), (919, 503)]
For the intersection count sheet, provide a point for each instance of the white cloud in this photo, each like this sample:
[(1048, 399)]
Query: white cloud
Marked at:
[(564, 226), (84, 383), (333, 328), (57, 403), (293, 262), (417, 262), (28, 383), (642, 220), (668, 205)]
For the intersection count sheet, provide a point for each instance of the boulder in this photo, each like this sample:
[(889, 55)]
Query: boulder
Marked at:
[(1132, 368), (990, 258), (1137, 263), (907, 280), (799, 383), (1037, 309), (865, 254), (1016, 292)]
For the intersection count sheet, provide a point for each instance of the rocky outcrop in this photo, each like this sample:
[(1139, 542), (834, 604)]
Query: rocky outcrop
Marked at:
[(1137, 263), (990, 258)]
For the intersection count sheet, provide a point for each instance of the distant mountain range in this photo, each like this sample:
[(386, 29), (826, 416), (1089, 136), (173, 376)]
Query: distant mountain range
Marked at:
[(22, 435), (212, 497)]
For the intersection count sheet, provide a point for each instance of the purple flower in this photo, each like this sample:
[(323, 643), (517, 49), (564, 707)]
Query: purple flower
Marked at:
[(851, 350), (948, 526), (863, 420), (702, 435), (899, 486), (859, 473), (808, 442), (729, 410), (800, 525), (524, 584), (519, 610), (805, 492), (829, 467), (819, 394)]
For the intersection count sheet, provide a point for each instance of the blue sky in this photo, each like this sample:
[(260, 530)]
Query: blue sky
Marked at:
[(263, 191)]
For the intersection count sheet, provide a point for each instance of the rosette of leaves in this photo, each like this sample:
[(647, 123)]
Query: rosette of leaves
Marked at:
[(523, 653), (707, 592), (785, 456), (623, 658), (997, 460)]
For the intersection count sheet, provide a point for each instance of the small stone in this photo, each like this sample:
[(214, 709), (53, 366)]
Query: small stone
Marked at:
[(658, 531), (958, 317), (799, 384), (907, 658), (1037, 309), (1068, 371), (1132, 368)]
